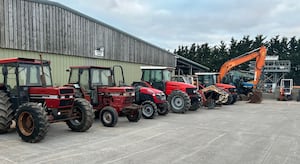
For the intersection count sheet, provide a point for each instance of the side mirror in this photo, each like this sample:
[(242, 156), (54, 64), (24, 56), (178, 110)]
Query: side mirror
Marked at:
[(68, 70), (4, 71)]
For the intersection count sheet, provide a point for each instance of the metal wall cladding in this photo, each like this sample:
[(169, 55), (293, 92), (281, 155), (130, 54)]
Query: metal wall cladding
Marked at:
[(49, 27), (60, 63)]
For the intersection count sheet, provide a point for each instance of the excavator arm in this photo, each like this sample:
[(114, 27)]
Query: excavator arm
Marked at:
[(258, 54)]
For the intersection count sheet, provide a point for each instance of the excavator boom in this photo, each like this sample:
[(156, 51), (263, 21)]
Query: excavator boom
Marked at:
[(258, 54)]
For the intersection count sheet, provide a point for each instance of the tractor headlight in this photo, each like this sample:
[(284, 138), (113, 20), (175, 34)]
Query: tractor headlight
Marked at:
[(161, 96)]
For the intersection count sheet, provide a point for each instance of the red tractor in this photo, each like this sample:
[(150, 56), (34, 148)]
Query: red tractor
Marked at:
[(181, 96), (98, 86), (152, 100), (29, 99), (206, 79)]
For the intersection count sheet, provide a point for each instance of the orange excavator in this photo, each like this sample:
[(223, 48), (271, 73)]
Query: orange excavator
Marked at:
[(259, 55)]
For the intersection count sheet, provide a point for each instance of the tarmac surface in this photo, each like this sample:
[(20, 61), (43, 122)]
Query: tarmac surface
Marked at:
[(266, 133)]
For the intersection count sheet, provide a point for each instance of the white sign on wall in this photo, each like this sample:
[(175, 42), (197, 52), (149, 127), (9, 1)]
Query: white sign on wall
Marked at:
[(99, 52)]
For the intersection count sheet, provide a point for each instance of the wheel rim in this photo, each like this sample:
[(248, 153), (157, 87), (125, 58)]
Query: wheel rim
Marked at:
[(107, 117), (26, 123), (147, 110), (177, 102), (77, 121)]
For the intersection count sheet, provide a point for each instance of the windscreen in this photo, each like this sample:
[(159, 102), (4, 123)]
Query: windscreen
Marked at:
[(31, 75), (207, 80), (167, 75), (101, 77)]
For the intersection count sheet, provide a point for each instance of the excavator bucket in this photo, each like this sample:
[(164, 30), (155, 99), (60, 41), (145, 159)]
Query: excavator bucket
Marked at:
[(256, 97)]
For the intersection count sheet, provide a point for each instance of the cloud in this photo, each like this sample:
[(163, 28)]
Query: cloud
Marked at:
[(170, 23)]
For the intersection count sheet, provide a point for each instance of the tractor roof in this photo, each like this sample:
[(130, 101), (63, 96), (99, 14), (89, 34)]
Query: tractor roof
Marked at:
[(22, 60), (88, 67), (206, 73), (157, 67)]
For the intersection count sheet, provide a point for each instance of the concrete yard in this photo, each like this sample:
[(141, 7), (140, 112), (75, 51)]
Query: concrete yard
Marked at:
[(236, 134)]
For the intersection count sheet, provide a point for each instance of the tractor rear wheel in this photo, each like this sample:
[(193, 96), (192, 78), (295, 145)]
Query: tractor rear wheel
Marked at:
[(109, 116), (149, 109), (32, 122), (179, 101), (134, 116), (6, 112), (84, 111), (164, 109)]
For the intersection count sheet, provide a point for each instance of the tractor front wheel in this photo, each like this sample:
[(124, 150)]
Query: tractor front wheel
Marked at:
[(109, 116), (134, 116), (164, 109), (149, 109), (196, 103), (84, 112), (32, 122), (229, 100), (211, 103), (179, 101), (6, 112)]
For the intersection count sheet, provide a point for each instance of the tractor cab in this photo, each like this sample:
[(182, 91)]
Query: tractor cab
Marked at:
[(210, 78), (109, 99), (86, 80), (207, 78), (29, 99), (28, 80), (157, 76), (181, 96)]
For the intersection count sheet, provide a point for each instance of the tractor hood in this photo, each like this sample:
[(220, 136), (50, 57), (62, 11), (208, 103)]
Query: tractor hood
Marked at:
[(179, 84), (184, 87), (51, 90), (150, 90), (224, 86), (115, 89)]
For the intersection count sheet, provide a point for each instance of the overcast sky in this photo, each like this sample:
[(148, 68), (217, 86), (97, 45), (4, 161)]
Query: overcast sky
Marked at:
[(170, 23)]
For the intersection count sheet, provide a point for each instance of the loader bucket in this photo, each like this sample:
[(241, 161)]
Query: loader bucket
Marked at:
[(256, 97)]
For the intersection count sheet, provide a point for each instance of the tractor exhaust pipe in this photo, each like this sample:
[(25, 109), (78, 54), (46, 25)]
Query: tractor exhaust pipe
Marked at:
[(43, 79)]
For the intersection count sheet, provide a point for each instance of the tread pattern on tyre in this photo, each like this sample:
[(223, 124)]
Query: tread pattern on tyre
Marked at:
[(164, 110), (40, 120), (229, 100), (113, 113), (196, 105), (87, 113), (154, 107), (186, 99), (134, 117), (6, 112)]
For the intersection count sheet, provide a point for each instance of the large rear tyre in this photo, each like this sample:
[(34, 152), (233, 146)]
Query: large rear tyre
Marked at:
[(109, 116), (6, 112), (149, 109), (179, 101), (164, 109), (134, 116), (84, 111), (32, 122)]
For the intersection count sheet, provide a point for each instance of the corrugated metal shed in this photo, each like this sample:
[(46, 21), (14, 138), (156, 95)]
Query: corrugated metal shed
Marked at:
[(49, 27)]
